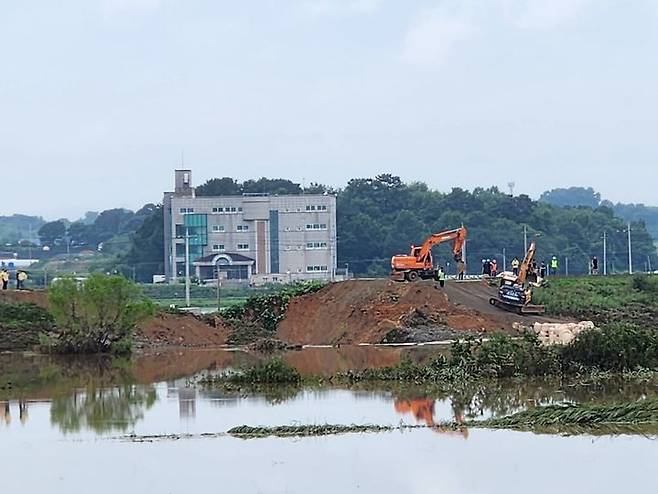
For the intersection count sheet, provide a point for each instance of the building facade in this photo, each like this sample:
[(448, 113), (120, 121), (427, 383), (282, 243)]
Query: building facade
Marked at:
[(260, 238)]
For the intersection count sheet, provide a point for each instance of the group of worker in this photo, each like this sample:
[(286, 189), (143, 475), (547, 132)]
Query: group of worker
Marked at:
[(21, 278), (490, 267)]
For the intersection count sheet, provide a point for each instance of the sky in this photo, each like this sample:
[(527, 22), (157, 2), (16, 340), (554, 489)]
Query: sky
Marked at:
[(100, 100)]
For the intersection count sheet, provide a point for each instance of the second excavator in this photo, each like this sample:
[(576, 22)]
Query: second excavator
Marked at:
[(418, 263), (515, 292)]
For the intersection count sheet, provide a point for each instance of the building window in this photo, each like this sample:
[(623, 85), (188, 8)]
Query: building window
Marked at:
[(316, 245), (186, 210), (231, 209), (217, 210), (243, 228), (239, 210), (315, 269), (316, 226), (218, 228), (243, 246), (218, 247)]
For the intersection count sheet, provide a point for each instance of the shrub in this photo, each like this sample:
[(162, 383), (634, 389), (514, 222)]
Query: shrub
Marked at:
[(616, 348), (95, 316), (274, 371), (645, 284), (268, 310)]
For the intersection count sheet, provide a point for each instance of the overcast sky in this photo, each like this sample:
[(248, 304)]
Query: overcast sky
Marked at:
[(99, 97)]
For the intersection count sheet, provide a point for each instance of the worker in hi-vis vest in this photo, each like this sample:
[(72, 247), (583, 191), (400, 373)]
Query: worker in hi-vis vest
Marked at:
[(555, 265)]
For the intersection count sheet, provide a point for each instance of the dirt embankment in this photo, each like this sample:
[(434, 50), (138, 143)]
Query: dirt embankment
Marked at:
[(24, 297), (374, 311), (186, 330)]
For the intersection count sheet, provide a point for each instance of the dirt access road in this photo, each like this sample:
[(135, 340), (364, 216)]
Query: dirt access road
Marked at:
[(380, 311), (476, 294)]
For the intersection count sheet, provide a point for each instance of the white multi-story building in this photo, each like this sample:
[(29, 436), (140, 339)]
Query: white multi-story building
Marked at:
[(256, 237)]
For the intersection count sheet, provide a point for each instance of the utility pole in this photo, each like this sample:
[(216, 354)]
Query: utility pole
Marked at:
[(504, 259), (29, 241), (566, 266), (649, 263), (525, 238), (187, 266), (605, 254), (630, 251), (219, 287), (134, 274)]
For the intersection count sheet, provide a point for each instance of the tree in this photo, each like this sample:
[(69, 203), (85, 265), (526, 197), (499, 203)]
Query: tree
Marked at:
[(219, 187), (147, 247), (275, 186), (96, 316), (52, 232), (78, 232), (572, 197)]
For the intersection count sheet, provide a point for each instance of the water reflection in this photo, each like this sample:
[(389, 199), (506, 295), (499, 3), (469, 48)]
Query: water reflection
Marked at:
[(103, 395), (102, 409)]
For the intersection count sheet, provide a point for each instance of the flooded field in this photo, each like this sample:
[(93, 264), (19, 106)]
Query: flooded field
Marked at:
[(80, 425)]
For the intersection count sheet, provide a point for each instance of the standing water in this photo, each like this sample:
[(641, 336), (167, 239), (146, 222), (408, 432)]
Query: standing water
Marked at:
[(81, 425)]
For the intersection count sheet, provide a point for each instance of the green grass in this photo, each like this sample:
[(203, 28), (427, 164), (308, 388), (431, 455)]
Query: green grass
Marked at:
[(273, 371), (603, 299)]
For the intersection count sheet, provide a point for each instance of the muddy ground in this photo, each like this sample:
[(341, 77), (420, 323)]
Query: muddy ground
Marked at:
[(375, 311)]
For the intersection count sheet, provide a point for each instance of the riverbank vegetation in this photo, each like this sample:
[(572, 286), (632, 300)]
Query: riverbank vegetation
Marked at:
[(625, 351), (567, 418), (260, 314), (96, 316), (21, 324), (628, 300)]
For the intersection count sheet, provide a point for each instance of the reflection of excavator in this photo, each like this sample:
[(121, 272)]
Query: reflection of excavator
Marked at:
[(418, 263), (515, 292), (423, 411)]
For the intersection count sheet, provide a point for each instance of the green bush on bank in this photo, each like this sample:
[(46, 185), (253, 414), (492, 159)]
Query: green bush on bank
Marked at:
[(98, 315), (268, 310), (614, 349)]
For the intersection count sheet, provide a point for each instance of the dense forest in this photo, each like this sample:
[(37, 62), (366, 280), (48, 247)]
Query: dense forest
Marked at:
[(581, 196)]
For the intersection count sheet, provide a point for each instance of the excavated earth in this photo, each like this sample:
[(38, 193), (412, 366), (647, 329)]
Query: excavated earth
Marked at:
[(381, 311), (350, 312)]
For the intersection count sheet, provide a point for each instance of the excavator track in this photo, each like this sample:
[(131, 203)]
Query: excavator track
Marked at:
[(530, 309)]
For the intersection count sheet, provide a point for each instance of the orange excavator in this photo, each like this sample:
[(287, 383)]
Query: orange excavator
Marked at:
[(418, 263)]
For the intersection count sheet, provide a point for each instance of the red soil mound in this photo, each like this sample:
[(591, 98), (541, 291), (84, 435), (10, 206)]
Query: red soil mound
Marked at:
[(181, 330), (366, 311)]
